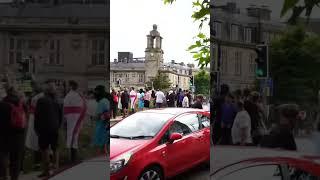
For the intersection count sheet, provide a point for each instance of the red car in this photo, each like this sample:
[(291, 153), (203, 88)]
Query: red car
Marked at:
[(263, 164), (158, 144)]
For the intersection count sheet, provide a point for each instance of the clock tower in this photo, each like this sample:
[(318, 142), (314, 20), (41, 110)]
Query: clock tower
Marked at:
[(153, 54)]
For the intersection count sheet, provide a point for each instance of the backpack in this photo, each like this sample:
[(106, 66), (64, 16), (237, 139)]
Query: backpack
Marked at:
[(115, 98), (18, 116)]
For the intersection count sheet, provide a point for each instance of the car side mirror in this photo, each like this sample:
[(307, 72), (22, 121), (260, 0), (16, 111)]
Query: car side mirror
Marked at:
[(174, 137)]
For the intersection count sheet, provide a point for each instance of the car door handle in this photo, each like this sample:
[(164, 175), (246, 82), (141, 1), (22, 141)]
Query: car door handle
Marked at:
[(163, 153)]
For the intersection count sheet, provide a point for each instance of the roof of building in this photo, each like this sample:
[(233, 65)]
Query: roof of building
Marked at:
[(59, 11), (127, 66)]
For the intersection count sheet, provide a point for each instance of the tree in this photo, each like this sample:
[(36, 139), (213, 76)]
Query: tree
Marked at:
[(297, 9), (202, 82), (161, 81), (201, 47), (295, 62)]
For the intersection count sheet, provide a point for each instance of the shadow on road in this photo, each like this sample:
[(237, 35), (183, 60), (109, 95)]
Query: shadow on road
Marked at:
[(201, 172)]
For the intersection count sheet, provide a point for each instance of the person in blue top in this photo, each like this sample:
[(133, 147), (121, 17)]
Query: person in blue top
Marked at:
[(228, 115), (141, 100), (102, 118)]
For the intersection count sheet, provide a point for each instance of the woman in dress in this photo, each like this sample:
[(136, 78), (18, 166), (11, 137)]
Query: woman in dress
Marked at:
[(102, 119), (141, 100)]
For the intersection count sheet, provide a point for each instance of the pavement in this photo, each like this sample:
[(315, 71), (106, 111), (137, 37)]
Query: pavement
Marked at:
[(30, 176)]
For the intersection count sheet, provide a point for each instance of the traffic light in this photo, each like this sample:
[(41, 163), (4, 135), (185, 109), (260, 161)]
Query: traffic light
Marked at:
[(191, 81), (262, 61), (24, 66)]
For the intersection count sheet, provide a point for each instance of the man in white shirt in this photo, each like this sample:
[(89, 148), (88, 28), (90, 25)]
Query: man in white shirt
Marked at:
[(185, 102), (133, 99), (75, 109), (159, 98), (241, 129)]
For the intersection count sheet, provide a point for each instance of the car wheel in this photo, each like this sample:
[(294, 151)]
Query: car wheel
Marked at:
[(152, 173)]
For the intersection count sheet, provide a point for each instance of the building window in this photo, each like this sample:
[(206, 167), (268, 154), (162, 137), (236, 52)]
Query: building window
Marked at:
[(238, 60), (98, 52), (252, 64), (218, 29), (140, 78), (224, 59), (127, 77), (247, 35), (16, 49), (54, 52), (266, 37), (133, 75), (234, 32)]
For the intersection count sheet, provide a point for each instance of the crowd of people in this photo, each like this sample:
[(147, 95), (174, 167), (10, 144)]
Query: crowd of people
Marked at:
[(126, 101), (37, 122), (239, 119)]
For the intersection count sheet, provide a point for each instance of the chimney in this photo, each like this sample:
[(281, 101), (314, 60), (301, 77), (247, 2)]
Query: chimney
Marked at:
[(231, 7), (264, 12)]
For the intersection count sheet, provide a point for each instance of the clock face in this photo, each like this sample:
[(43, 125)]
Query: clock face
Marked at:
[(151, 54)]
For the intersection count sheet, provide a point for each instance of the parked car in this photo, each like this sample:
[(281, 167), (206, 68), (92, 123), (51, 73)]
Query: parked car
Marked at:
[(262, 164), (158, 144)]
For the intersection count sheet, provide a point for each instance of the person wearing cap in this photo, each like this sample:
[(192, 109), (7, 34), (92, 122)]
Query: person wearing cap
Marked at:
[(74, 109)]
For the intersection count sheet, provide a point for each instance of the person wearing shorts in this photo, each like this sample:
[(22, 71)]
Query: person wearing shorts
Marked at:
[(125, 102), (47, 121)]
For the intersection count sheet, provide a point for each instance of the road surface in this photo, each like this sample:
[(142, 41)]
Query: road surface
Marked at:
[(199, 173)]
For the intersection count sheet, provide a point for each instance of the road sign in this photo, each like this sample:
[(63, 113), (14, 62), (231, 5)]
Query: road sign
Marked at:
[(266, 87), (193, 88)]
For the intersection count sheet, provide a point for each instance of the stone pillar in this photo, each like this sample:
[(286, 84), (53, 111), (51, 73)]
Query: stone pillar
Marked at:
[(158, 42), (150, 42)]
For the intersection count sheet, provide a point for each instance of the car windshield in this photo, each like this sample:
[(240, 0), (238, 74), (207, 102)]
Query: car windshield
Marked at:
[(140, 125)]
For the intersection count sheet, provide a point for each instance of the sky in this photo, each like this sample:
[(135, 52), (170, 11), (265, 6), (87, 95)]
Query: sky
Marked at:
[(132, 20)]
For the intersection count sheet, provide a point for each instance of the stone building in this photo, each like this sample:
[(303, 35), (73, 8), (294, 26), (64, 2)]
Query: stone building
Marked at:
[(62, 40), (238, 32), (136, 72)]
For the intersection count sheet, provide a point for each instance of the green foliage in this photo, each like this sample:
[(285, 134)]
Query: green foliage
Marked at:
[(201, 47), (161, 81), (297, 10), (202, 82), (295, 62)]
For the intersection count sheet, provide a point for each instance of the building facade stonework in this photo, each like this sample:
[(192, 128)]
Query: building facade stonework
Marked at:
[(140, 71), (237, 33), (63, 41)]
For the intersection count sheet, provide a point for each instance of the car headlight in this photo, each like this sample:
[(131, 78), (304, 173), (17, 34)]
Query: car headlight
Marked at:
[(119, 163)]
